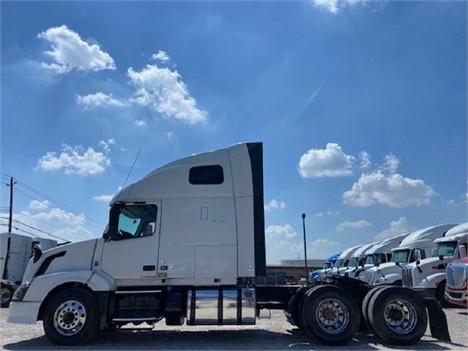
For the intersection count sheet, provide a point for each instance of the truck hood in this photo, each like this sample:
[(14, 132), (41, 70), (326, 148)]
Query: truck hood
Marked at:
[(70, 257), (429, 263)]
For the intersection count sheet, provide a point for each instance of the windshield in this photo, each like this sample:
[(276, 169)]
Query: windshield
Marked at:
[(446, 249), (339, 262), (353, 262), (400, 256), (327, 265), (370, 259)]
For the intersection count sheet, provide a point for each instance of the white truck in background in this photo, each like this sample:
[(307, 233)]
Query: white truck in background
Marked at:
[(357, 261), (422, 240), (340, 265), (381, 252), (15, 252), (186, 244), (428, 276)]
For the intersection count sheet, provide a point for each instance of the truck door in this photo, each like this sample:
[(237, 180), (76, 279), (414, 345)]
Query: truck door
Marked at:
[(131, 250)]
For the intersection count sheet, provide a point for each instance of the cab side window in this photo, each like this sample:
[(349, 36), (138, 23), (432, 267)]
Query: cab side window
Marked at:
[(136, 221)]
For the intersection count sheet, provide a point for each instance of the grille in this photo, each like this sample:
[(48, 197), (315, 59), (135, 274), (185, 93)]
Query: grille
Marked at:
[(456, 276), (407, 277)]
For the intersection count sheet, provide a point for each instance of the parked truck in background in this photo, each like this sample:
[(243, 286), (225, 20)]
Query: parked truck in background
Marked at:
[(357, 261), (456, 288), (186, 244), (381, 252), (428, 276), (340, 265), (391, 273), (15, 252), (329, 263)]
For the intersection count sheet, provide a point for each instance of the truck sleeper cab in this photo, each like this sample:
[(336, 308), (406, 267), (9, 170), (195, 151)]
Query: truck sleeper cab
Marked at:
[(186, 244)]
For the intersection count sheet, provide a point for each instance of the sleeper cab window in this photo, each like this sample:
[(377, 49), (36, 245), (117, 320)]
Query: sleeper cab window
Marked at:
[(206, 175)]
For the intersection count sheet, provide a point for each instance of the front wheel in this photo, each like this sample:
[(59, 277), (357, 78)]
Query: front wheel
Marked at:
[(330, 314), (71, 317)]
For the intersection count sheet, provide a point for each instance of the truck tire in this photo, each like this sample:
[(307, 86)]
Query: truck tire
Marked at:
[(365, 308), (398, 315), (7, 294), (330, 314), (293, 314), (71, 317)]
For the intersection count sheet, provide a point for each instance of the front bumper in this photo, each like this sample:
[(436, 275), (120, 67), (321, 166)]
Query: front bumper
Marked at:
[(457, 297), (23, 312)]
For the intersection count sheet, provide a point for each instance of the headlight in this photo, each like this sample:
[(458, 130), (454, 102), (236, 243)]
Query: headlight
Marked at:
[(21, 291)]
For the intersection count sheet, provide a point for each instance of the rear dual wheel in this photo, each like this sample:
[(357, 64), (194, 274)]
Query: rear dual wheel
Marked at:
[(397, 315), (330, 314)]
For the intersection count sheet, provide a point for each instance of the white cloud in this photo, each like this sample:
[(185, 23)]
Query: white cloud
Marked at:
[(103, 198), (274, 204), (99, 99), (280, 231), (163, 91), (397, 227), (335, 6), (326, 213), (353, 225), (70, 52), (391, 163), (161, 56), (328, 162), (364, 159), (76, 160), (140, 123), (320, 244), (393, 190), (39, 205), (55, 221), (281, 243)]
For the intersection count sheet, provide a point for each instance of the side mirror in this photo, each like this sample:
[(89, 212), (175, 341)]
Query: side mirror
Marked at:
[(417, 256), (36, 253), (462, 251)]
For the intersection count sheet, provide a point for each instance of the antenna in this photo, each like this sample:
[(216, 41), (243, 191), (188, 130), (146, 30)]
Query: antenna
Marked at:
[(131, 168)]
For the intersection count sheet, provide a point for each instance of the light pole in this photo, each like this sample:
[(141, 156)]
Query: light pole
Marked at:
[(305, 248)]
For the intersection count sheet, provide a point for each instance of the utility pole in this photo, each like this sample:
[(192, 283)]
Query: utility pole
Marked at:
[(10, 217), (305, 248)]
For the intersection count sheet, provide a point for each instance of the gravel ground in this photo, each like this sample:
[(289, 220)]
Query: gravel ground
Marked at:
[(274, 333)]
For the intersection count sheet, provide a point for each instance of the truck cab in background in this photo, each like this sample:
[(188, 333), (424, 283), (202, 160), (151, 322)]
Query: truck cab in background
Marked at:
[(15, 252), (456, 288), (357, 261), (428, 276), (422, 240), (329, 264)]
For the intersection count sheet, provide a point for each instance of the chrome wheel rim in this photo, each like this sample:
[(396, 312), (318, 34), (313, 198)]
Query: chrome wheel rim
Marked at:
[(70, 317), (332, 316), (400, 316)]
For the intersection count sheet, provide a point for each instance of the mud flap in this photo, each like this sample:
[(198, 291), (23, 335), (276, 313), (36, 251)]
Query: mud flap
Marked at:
[(437, 320)]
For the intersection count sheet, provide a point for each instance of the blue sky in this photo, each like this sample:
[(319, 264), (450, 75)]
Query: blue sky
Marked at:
[(361, 105)]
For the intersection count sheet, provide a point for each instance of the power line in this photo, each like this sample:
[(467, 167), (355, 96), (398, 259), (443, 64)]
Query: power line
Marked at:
[(39, 230)]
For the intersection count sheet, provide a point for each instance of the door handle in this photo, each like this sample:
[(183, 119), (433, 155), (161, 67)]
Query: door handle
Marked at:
[(149, 268)]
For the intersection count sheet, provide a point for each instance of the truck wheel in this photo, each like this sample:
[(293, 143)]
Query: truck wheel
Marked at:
[(330, 314), (71, 317), (398, 315), (365, 308), (294, 307), (7, 295)]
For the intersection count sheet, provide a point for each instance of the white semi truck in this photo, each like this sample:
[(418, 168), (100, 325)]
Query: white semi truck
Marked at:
[(341, 265), (428, 276), (357, 261), (422, 240), (15, 252), (186, 244), (382, 252)]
